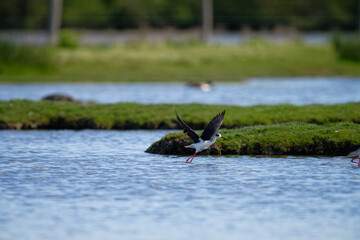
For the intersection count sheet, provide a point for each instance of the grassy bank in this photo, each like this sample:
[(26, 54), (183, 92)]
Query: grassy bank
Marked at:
[(24, 114), (294, 138), (191, 61), (279, 129)]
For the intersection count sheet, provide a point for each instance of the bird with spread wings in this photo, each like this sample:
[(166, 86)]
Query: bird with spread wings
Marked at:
[(208, 136)]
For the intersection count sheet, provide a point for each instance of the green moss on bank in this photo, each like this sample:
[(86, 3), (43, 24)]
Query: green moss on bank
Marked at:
[(278, 129), (24, 114), (293, 138)]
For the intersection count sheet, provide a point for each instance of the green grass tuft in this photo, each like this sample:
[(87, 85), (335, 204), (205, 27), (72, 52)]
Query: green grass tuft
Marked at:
[(68, 39), (347, 48), (18, 60)]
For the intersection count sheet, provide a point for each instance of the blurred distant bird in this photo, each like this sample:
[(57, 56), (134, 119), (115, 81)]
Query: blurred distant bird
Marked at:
[(355, 154), (203, 86), (59, 97), (208, 137)]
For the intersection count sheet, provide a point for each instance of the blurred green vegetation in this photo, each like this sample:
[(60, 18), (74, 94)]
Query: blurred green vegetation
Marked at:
[(169, 61), (26, 59), (347, 47), (230, 14), (155, 116), (68, 39)]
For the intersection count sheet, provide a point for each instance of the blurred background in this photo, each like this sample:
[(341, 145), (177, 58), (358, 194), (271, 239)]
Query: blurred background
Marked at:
[(110, 21), (201, 43), (198, 42)]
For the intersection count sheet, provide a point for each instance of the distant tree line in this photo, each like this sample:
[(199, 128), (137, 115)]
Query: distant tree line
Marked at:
[(228, 14)]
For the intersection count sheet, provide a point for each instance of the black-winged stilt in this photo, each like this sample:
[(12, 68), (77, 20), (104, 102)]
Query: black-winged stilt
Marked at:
[(355, 154), (208, 136)]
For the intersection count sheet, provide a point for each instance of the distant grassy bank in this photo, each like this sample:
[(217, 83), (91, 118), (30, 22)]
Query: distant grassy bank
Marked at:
[(24, 114), (293, 138), (191, 61)]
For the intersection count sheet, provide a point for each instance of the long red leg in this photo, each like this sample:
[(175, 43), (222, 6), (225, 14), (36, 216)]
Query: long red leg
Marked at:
[(352, 160), (192, 156), (189, 158)]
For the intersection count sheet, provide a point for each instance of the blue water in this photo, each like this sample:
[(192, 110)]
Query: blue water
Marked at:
[(102, 185), (298, 91), (99, 37)]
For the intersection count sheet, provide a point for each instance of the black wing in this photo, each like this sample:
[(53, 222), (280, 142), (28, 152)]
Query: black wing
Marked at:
[(213, 126), (187, 129)]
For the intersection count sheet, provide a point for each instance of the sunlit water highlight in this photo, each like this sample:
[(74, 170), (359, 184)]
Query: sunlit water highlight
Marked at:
[(102, 185), (298, 91)]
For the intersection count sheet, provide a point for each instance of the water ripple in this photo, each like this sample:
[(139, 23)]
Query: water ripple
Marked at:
[(102, 185)]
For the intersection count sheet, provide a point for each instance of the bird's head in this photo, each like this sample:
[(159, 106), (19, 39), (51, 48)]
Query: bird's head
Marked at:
[(217, 135)]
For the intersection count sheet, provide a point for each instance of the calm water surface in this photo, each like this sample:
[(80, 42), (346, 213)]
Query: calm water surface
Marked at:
[(298, 91), (102, 185)]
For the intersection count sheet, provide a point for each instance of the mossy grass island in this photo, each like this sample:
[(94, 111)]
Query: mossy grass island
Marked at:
[(263, 129), (292, 138)]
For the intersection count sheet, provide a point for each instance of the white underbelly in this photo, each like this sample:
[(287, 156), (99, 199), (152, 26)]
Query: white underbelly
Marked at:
[(203, 145)]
